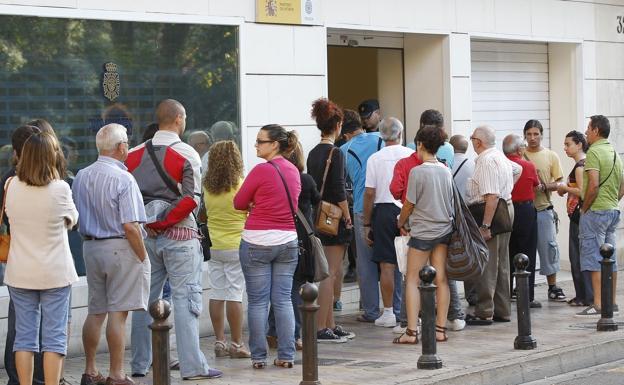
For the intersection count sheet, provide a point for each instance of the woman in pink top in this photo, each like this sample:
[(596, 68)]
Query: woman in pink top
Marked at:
[(269, 247)]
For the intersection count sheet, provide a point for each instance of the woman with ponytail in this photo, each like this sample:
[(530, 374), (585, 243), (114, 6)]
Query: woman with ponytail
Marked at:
[(329, 118), (269, 247)]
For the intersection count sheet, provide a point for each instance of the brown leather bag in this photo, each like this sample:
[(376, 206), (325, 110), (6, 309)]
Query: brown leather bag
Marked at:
[(328, 215), (5, 239)]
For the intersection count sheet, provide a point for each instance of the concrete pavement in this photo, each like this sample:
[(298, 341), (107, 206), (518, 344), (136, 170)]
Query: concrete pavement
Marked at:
[(476, 355)]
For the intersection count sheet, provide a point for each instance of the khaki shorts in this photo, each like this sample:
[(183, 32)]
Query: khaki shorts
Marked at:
[(117, 279), (227, 282)]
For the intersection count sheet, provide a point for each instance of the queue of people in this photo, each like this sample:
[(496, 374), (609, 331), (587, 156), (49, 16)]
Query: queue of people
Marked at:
[(137, 210)]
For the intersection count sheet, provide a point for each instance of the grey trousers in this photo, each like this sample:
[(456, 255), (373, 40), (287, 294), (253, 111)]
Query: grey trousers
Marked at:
[(493, 293)]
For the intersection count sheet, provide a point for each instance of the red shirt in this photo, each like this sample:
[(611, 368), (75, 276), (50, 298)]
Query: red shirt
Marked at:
[(523, 189), (398, 186)]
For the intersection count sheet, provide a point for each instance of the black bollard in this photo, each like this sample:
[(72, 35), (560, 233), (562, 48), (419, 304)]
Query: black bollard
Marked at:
[(429, 358), (606, 322), (524, 340), (309, 293), (160, 310)]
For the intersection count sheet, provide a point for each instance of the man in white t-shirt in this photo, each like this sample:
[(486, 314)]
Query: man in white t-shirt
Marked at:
[(380, 215)]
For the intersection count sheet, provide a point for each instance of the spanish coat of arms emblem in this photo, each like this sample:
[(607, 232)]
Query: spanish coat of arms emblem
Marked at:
[(110, 81)]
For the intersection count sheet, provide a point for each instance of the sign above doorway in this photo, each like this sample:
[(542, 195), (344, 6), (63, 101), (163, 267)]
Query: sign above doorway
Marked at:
[(300, 12)]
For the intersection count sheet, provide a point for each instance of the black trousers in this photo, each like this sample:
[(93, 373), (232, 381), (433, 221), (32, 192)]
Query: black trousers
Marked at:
[(524, 240)]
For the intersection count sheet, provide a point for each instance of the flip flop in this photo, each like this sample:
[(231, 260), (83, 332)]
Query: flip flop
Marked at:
[(575, 302), (474, 320)]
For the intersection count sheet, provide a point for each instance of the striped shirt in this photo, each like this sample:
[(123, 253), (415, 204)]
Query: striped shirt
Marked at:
[(107, 196), (493, 174)]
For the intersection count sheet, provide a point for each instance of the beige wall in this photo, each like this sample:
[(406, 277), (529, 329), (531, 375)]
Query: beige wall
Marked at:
[(390, 82)]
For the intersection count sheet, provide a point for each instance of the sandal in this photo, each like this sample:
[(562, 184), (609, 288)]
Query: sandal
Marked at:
[(283, 364), (441, 329), (258, 365), (575, 302), (220, 349), (409, 333)]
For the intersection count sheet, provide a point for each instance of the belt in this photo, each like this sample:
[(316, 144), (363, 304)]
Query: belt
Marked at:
[(90, 238), (547, 208), (523, 202)]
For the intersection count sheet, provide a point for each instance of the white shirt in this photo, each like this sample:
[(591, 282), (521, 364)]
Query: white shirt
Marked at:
[(465, 172), (39, 255), (493, 174), (380, 169)]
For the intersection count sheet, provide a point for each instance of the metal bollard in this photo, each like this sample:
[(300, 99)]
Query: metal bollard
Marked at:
[(524, 340), (429, 358), (160, 310), (309, 293), (606, 322)]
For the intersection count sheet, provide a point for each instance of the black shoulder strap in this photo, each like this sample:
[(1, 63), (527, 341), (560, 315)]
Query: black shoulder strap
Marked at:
[(459, 168), (612, 168), (163, 174), (379, 143), (350, 151)]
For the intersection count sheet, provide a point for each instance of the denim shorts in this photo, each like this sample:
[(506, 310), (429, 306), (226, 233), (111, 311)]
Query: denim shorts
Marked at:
[(53, 315), (429, 244), (596, 228)]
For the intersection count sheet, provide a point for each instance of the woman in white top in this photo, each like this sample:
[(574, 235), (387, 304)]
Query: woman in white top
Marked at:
[(40, 269)]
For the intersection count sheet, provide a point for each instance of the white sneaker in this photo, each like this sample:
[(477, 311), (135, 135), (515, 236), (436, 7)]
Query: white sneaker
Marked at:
[(456, 325), (398, 329), (387, 320)]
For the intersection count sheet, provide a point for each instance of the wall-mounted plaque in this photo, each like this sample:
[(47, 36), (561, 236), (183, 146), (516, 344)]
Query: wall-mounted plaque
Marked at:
[(110, 81)]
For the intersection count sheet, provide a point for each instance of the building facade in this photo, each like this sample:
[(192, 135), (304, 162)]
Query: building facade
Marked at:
[(83, 63)]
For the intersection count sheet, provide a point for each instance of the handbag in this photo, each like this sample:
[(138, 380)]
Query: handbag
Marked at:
[(5, 239), (328, 215), (312, 266), (401, 248), (501, 222), (202, 229), (467, 252)]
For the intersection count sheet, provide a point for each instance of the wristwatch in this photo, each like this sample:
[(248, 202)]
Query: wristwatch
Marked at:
[(484, 226)]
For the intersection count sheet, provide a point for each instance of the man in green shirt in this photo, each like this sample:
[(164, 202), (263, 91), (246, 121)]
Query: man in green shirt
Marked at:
[(603, 188)]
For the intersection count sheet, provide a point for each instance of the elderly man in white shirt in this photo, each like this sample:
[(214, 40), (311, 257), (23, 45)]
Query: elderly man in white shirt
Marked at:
[(494, 177), (381, 210)]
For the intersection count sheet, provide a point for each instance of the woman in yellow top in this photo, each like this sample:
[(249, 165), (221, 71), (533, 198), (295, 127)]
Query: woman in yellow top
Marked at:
[(221, 183)]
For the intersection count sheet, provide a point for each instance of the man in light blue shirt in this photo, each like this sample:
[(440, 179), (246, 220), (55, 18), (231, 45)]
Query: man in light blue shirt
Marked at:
[(359, 147), (111, 210)]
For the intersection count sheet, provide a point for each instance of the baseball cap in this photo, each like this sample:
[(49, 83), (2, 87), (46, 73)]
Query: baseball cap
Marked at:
[(367, 107)]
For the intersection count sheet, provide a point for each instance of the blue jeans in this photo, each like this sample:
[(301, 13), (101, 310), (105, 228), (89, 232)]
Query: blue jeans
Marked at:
[(547, 247), (296, 302), (180, 261), (269, 274), (596, 228), (47, 309), (368, 273)]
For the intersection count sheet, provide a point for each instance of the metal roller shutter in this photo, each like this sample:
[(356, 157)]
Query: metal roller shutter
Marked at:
[(510, 86)]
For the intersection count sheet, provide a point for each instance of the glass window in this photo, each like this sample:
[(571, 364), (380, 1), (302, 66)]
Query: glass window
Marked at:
[(82, 74)]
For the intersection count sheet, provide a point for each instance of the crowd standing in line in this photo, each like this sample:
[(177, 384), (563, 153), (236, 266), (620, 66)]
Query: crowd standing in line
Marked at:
[(139, 209)]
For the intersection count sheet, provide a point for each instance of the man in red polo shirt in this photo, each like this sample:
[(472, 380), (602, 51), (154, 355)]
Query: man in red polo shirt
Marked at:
[(524, 235)]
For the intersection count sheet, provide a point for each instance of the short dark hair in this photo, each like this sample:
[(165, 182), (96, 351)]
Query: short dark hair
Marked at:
[(19, 137), (601, 123), (578, 137), (431, 118), (149, 132), (533, 123), (431, 137), (351, 122)]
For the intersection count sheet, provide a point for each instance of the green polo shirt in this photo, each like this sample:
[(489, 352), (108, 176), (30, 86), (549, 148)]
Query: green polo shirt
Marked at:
[(600, 157)]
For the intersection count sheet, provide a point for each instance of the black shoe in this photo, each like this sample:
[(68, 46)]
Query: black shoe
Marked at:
[(535, 305), (327, 335), (556, 294), (340, 332), (514, 295), (350, 276)]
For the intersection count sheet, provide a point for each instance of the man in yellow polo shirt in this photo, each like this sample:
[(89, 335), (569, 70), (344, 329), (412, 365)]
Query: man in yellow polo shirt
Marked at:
[(550, 175), (603, 188)]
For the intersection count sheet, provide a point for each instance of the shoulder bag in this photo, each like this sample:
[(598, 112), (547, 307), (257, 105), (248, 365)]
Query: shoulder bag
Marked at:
[(501, 222), (328, 215), (312, 265), (202, 228), (5, 239), (467, 252)]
